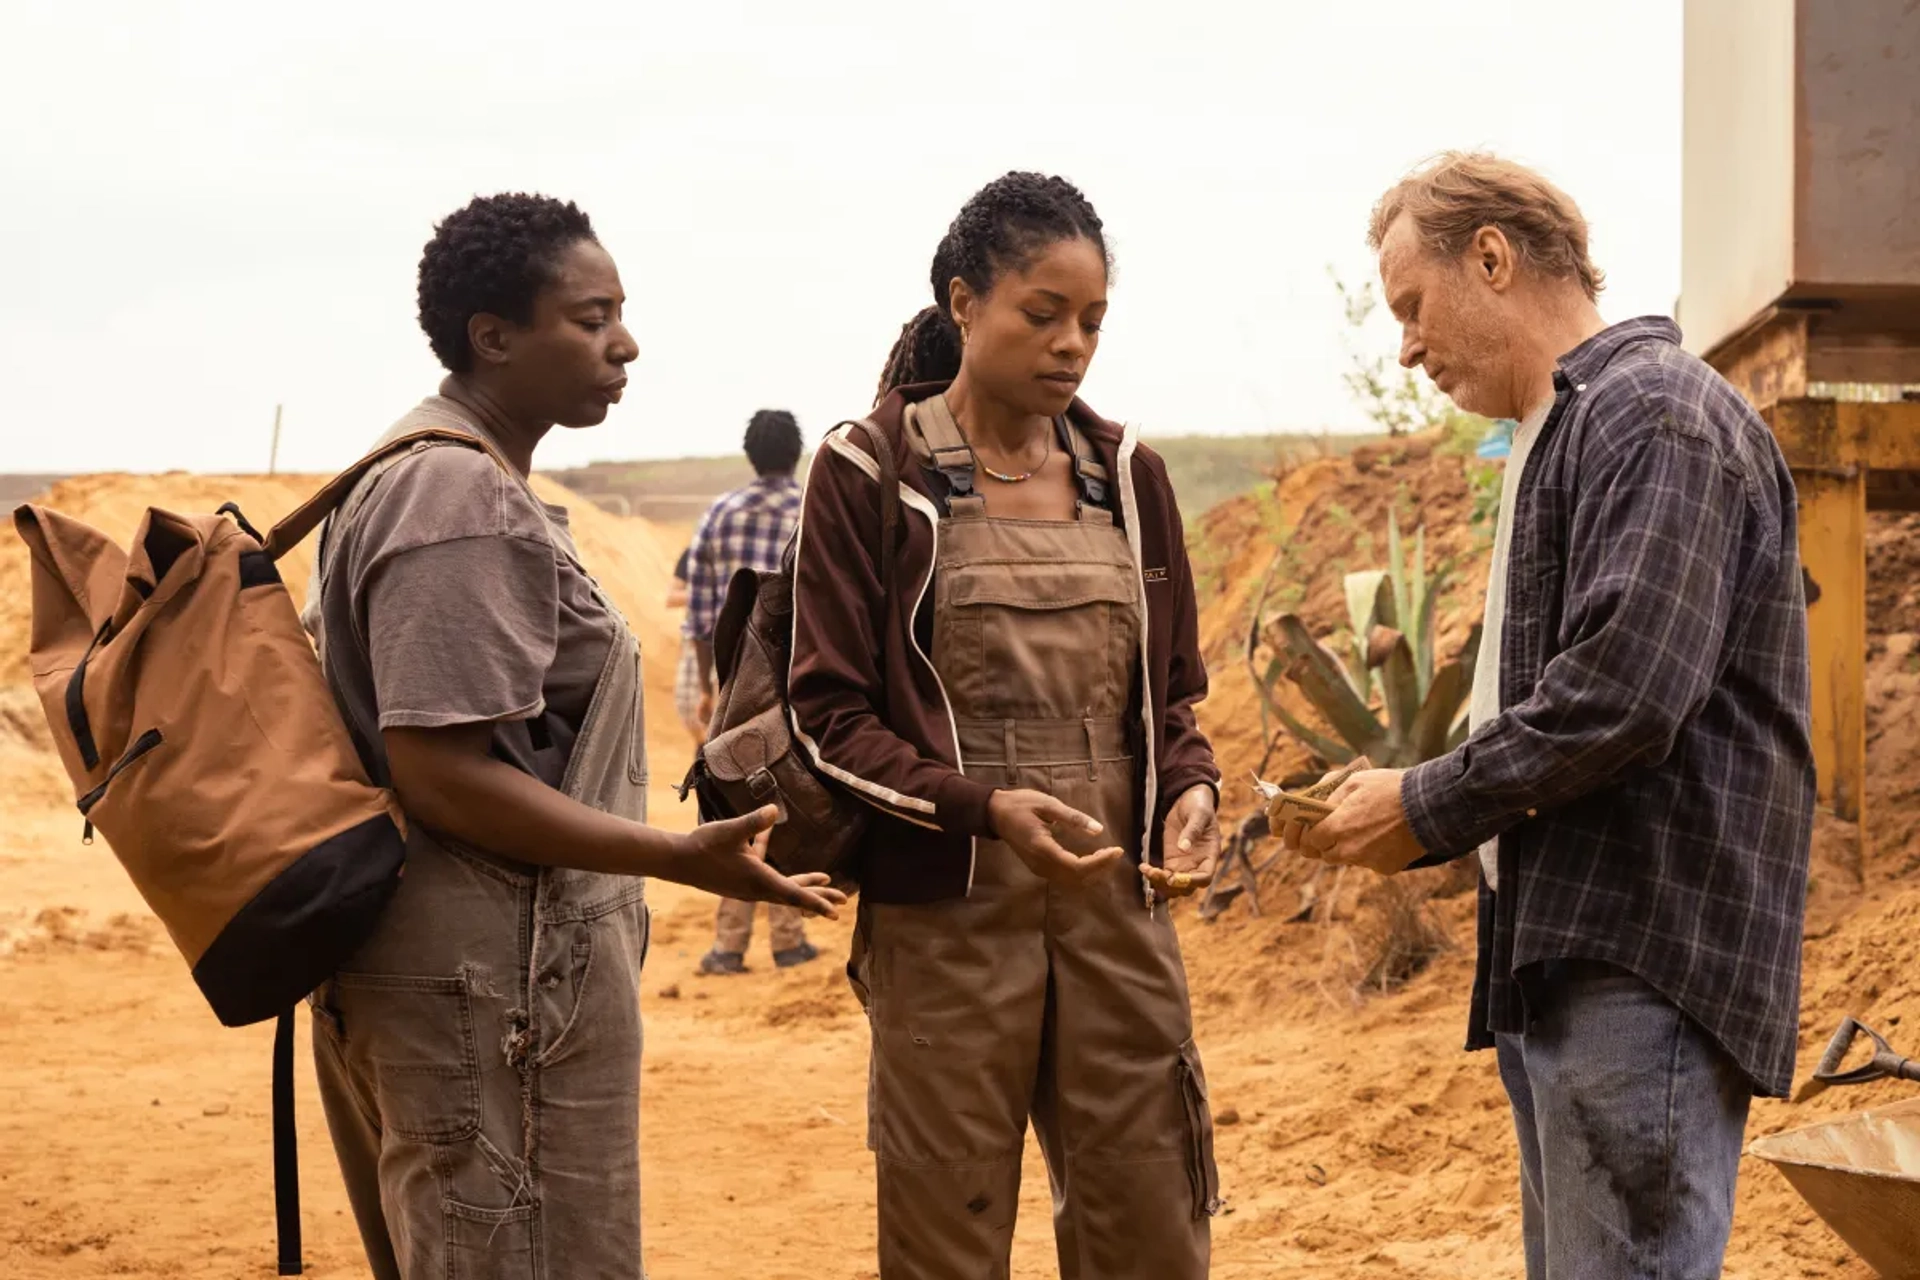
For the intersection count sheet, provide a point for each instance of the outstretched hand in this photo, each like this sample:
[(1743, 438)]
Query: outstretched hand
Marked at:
[(729, 858), (1033, 824), (1191, 845)]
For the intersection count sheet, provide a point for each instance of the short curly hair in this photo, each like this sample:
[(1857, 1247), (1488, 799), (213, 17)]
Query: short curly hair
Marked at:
[(493, 256), (1005, 224), (773, 442)]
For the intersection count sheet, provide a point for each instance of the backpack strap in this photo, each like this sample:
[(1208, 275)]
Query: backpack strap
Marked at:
[(286, 1150), (300, 522)]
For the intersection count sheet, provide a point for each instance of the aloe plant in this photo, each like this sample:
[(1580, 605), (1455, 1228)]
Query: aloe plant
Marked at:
[(1389, 659)]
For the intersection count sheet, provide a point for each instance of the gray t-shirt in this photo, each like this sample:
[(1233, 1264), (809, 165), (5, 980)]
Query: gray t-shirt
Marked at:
[(1483, 705), (448, 598)]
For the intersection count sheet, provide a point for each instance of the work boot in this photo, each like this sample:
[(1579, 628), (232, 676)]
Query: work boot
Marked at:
[(796, 955), (719, 964)]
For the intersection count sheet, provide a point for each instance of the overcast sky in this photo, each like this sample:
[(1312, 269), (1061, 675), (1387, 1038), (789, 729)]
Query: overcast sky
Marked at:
[(210, 207)]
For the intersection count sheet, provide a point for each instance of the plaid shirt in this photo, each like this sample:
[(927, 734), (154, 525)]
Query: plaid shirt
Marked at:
[(745, 529), (1650, 775)]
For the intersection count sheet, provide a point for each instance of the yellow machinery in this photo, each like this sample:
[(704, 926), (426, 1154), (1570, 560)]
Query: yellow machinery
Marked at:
[(1800, 282)]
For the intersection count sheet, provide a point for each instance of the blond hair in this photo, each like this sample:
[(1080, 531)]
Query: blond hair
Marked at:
[(1451, 197)]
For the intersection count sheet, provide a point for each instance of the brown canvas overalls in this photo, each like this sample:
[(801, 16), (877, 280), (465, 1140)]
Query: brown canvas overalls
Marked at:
[(1027, 1000), (479, 1057)]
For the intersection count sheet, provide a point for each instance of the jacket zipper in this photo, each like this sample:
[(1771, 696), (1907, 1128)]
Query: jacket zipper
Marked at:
[(141, 745)]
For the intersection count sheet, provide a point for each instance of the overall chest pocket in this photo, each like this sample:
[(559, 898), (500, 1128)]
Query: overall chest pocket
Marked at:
[(1037, 639)]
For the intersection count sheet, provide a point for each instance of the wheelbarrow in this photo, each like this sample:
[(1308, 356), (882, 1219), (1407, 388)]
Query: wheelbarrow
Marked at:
[(1861, 1173)]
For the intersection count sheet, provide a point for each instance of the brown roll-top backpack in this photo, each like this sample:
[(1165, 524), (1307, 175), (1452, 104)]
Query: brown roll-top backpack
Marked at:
[(191, 712), (751, 758)]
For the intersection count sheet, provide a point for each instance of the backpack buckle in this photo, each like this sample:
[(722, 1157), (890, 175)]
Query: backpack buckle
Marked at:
[(765, 790)]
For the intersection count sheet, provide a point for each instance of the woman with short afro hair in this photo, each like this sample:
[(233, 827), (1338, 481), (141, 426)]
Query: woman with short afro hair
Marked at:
[(479, 1057)]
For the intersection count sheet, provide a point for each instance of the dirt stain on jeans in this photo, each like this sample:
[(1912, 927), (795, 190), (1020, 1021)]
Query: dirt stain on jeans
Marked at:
[(1636, 1181)]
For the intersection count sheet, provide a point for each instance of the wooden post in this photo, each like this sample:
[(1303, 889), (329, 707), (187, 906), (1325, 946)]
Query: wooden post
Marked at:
[(273, 456), (1826, 446), (1833, 530)]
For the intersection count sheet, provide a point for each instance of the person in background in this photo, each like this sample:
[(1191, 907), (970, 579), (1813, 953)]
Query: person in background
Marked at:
[(686, 673), (1639, 784), (745, 529), (1020, 715), (478, 1057), (677, 593)]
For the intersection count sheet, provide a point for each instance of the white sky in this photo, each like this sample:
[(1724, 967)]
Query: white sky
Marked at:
[(209, 208)]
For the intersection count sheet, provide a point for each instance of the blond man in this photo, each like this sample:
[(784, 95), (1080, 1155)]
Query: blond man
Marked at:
[(1638, 785)]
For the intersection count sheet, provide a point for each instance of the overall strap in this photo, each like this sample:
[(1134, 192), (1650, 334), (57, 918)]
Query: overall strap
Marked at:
[(1095, 505), (951, 455)]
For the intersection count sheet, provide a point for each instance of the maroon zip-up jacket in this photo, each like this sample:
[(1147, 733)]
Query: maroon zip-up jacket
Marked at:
[(870, 710)]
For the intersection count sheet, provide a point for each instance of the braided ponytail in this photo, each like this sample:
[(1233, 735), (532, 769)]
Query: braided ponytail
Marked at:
[(927, 350)]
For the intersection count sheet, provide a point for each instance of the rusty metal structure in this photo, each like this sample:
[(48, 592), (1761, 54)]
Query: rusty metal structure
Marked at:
[(1800, 282)]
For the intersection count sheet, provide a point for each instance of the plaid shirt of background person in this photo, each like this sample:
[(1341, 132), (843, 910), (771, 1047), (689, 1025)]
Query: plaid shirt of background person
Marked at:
[(745, 529)]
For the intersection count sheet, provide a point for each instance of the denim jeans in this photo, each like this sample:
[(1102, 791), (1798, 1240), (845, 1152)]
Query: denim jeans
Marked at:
[(1630, 1120)]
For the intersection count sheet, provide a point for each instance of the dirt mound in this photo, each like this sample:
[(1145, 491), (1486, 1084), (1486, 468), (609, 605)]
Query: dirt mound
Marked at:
[(1893, 694), (22, 725), (30, 772), (115, 504), (1296, 538), (1893, 575), (57, 928), (632, 558)]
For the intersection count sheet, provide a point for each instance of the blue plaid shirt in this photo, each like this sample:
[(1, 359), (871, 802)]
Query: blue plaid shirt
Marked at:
[(1650, 774), (745, 529)]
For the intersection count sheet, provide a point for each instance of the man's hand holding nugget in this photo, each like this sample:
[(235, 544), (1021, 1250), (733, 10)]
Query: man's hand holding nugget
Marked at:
[(1367, 828)]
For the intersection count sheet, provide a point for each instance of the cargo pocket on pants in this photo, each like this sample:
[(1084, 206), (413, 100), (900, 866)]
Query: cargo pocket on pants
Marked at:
[(489, 1244), (1202, 1174), (413, 1037)]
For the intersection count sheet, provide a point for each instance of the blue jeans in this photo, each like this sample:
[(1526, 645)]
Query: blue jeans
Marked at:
[(1630, 1120)]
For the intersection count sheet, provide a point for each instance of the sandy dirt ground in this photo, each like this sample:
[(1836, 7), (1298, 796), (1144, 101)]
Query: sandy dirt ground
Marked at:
[(135, 1142), (1354, 1138)]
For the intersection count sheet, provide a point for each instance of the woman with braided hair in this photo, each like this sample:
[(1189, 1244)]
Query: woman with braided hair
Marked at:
[(1019, 711)]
